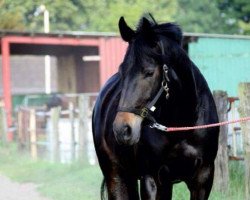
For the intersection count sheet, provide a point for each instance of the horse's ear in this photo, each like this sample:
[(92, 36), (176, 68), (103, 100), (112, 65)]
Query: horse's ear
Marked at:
[(145, 25), (126, 32)]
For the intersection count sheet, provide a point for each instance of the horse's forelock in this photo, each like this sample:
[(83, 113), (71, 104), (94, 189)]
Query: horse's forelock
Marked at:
[(146, 23), (148, 27)]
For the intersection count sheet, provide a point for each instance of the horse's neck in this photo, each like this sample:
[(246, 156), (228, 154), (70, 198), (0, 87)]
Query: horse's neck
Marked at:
[(182, 102)]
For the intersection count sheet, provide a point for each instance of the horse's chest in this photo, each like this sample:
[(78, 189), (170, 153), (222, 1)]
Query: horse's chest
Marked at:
[(174, 161)]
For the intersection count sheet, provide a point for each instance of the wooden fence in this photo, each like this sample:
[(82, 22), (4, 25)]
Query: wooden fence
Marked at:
[(63, 134)]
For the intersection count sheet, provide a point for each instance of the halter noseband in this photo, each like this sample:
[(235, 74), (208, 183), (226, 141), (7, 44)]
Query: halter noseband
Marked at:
[(147, 111)]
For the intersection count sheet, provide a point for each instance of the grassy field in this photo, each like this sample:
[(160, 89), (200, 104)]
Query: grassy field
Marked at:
[(80, 181)]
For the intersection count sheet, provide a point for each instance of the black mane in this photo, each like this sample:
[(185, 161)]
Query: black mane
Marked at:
[(148, 26)]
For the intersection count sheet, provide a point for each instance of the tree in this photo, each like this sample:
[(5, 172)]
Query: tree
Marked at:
[(104, 15), (81, 15), (202, 16), (64, 15), (220, 16), (236, 12), (11, 17)]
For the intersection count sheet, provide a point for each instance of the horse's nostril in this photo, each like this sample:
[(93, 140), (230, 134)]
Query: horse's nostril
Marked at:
[(123, 133), (127, 132)]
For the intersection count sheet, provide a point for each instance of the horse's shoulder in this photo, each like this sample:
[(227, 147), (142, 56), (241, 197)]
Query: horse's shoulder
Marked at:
[(108, 89), (102, 105), (109, 86), (105, 96)]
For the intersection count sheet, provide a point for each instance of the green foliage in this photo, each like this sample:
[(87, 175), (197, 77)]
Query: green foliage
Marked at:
[(11, 16), (81, 15), (236, 12), (110, 12), (220, 16), (202, 16)]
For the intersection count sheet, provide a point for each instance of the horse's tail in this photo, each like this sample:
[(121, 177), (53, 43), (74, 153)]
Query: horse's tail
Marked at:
[(103, 190)]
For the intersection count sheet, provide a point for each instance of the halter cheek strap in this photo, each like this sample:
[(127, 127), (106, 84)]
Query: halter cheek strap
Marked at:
[(147, 111)]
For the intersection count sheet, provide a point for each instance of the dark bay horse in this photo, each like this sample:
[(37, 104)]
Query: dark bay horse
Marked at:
[(156, 82)]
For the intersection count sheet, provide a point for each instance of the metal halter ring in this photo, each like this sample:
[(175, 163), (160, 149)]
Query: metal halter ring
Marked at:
[(164, 84), (165, 69), (166, 88)]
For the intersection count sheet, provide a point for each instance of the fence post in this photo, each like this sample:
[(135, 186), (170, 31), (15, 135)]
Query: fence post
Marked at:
[(234, 145), (32, 131), (221, 163), (83, 103), (3, 125), (55, 116), (20, 124), (244, 110), (72, 124)]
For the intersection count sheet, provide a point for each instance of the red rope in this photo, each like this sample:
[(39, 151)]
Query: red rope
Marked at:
[(172, 129)]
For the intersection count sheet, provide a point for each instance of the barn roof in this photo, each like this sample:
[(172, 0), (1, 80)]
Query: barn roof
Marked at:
[(70, 34), (80, 34)]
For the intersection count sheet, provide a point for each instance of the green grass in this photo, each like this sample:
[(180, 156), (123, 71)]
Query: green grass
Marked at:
[(80, 181)]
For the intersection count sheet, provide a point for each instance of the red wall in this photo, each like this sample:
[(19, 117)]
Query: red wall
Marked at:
[(111, 51)]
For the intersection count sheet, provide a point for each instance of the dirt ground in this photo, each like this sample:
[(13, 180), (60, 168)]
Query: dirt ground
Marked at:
[(10, 190)]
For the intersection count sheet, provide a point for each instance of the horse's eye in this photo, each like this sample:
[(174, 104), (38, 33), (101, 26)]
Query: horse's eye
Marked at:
[(149, 73)]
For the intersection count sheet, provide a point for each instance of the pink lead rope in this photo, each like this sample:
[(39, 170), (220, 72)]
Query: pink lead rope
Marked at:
[(173, 129)]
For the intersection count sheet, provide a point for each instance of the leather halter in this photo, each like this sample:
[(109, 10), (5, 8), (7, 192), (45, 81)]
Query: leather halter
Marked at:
[(147, 111)]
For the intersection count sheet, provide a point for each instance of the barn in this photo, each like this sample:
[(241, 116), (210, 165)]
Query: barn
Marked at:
[(82, 62)]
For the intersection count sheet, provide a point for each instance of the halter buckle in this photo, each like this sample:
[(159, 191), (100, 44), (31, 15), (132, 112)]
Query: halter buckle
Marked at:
[(144, 112)]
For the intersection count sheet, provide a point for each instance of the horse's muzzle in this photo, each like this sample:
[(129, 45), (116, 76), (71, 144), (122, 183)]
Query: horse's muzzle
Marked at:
[(127, 127)]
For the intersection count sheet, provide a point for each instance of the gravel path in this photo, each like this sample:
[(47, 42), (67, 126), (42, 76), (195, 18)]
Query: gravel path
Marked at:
[(10, 190)]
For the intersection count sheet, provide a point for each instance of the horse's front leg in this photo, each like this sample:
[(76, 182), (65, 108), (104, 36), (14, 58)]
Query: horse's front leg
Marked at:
[(200, 186), (121, 186), (164, 185), (148, 188)]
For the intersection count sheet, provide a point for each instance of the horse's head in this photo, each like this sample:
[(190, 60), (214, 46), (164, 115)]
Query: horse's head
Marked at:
[(142, 73)]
